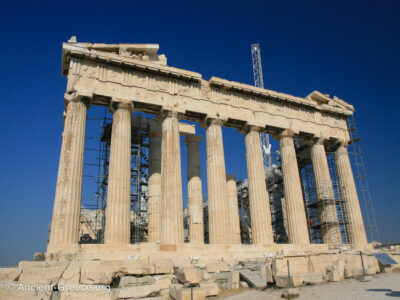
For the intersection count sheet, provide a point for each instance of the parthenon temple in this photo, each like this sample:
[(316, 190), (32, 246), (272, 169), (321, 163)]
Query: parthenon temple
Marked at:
[(153, 233), (131, 78)]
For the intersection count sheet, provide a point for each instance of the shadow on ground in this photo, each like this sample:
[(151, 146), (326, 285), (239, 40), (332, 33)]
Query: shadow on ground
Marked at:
[(389, 292)]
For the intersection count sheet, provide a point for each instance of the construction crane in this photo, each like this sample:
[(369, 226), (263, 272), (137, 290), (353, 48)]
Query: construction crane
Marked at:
[(259, 82)]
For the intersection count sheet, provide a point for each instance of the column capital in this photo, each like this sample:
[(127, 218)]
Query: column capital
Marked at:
[(341, 149), (249, 128), (115, 104), (214, 121), (315, 140), (285, 133), (191, 138), (169, 113), (342, 144), (75, 97)]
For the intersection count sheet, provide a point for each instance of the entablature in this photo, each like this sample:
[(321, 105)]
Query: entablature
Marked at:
[(154, 87)]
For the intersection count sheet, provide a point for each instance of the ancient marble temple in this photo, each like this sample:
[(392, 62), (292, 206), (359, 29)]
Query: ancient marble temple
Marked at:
[(130, 78)]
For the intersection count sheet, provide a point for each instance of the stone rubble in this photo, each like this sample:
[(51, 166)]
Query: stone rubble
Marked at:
[(165, 278)]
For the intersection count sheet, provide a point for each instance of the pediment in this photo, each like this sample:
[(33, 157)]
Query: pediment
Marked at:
[(323, 99)]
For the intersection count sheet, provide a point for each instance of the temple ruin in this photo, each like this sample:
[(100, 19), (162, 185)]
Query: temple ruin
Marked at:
[(132, 77), (245, 230)]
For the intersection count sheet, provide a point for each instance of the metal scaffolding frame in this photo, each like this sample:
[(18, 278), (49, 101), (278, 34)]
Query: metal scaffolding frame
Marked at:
[(244, 211), (275, 187), (274, 183), (360, 174), (140, 143), (93, 207), (316, 203), (92, 217)]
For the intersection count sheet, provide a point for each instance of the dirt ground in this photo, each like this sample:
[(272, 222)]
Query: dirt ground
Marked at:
[(381, 286)]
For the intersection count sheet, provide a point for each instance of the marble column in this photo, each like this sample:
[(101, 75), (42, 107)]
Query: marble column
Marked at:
[(357, 235), (218, 209), (327, 208), (296, 221), (171, 182), (154, 200), (233, 208), (67, 201), (258, 195), (117, 225), (194, 190)]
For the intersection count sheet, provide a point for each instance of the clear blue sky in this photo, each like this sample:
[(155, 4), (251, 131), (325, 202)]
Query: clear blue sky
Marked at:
[(344, 48)]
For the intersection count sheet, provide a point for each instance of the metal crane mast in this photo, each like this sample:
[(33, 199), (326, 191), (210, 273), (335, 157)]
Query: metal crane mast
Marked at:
[(257, 67), (259, 82)]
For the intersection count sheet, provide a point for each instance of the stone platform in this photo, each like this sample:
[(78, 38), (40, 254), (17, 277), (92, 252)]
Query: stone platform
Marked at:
[(184, 251)]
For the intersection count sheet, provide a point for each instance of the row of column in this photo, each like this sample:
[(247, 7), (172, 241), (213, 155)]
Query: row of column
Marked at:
[(165, 205)]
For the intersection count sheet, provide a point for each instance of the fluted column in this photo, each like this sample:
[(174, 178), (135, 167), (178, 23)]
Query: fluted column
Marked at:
[(117, 225), (260, 212), (171, 181), (327, 208), (154, 201), (349, 194), (218, 209), (233, 208), (194, 190), (296, 221), (67, 201)]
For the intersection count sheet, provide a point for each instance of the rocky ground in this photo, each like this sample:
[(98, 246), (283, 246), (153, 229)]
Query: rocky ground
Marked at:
[(381, 286), (174, 277)]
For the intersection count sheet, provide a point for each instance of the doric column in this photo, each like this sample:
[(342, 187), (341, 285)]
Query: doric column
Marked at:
[(171, 181), (194, 190), (330, 229), (218, 209), (67, 201), (154, 201), (296, 221), (233, 208), (117, 226), (260, 213), (349, 194)]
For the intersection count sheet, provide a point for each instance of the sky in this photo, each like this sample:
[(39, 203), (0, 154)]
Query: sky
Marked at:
[(345, 48)]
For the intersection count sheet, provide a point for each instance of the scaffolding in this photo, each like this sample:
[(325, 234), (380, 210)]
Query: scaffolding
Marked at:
[(274, 181), (97, 151), (274, 184), (326, 208), (93, 208), (364, 194), (244, 211), (140, 143), (316, 205)]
